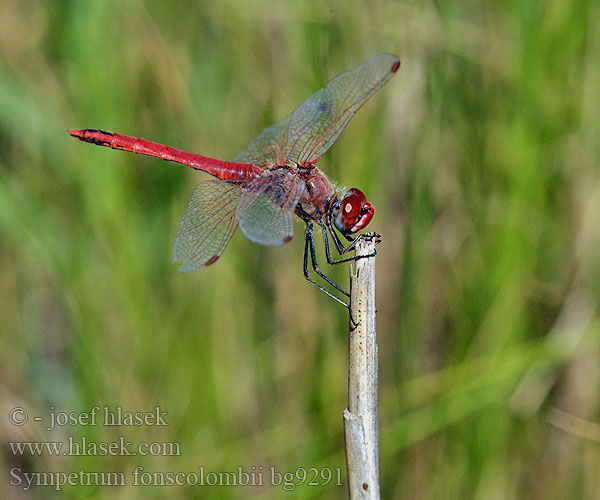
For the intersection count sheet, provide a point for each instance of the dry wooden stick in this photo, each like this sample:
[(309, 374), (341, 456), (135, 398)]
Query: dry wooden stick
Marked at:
[(361, 424)]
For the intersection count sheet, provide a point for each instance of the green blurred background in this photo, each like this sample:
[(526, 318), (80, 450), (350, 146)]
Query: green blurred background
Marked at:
[(480, 156)]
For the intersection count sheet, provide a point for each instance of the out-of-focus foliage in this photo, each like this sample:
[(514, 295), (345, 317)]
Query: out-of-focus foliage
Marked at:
[(481, 158)]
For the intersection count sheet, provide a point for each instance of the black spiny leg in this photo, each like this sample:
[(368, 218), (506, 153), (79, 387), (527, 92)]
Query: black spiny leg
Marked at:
[(313, 257), (339, 246), (309, 246), (309, 249)]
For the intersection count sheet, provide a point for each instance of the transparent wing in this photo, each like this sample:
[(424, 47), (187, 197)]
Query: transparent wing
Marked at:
[(265, 149), (207, 225), (265, 210), (307, 134), (318, 121)]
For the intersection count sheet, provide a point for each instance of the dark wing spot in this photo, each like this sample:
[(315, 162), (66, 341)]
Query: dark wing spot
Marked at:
[(395, 66), (287, 239), (212, 260), (323, 105), (365, 486)]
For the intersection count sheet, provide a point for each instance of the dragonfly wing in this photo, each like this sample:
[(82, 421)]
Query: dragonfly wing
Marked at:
[(265, 210), (306, 135), (265, 149), (207, 225), (316, 124)]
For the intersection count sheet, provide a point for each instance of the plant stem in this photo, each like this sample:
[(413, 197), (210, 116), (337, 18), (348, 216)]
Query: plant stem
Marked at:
[(361, 424)]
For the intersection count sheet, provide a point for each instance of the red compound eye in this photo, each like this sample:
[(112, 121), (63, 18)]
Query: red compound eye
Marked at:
[(351, 207), (354, 213)]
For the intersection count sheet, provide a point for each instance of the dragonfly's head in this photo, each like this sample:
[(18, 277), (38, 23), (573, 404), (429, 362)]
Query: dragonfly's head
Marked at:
[(352, 213)]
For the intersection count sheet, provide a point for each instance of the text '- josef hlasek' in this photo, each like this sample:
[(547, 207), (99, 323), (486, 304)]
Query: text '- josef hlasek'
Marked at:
[(105, 416)]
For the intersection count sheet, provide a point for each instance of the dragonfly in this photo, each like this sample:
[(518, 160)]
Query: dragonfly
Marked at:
[(274, 179)]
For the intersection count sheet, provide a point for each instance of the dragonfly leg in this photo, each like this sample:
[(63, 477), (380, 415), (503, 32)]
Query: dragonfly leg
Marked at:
[(340, 247), (309, 252), (309, 246)]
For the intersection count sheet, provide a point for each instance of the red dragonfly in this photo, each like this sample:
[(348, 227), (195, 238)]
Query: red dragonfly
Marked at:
[(274, 178)]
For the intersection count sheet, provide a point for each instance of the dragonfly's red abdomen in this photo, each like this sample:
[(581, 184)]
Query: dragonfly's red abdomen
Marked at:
[(221, 169)]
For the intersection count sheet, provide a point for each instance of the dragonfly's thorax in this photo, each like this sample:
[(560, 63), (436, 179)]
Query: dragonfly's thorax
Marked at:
[(317, 193)]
